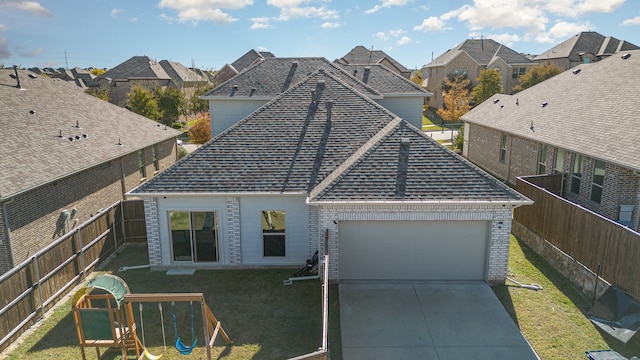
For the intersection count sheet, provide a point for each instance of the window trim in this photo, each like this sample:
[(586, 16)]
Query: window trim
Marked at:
[(595, 184), (576, 179)]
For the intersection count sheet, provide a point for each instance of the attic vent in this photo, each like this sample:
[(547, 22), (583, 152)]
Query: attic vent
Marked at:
[(544, 103), (32, 112), (626, 56), (576, 71), (33, 76), (495, 101)]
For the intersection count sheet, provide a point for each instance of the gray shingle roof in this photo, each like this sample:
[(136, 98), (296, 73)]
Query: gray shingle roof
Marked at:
[(136, 67), (290, 146), (32, 152), (272, 76), (181, 73), (593, 112), (384, 80), (360, 55), (588, 42), (482, 51)]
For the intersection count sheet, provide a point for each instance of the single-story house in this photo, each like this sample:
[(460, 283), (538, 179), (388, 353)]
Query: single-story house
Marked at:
[(322, 167), (239, 96), (65, 156), (581, 123)]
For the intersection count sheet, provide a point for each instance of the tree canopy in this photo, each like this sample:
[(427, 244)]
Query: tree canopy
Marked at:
[(200, 132), (197, 105), (456, 101), (537, 74), (98, 92), (142, 101), (489, 84), (171, 102)]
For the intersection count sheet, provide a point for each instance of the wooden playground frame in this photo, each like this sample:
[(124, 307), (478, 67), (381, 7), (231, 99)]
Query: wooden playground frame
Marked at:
[(124, 335)]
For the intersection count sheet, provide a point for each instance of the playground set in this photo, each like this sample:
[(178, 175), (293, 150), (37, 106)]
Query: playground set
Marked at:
[(106, 320)]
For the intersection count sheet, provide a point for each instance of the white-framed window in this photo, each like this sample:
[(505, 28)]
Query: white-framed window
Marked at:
[(273, 233), (461, 71), (503, 147), (542, 159), (597, 182), (576, 174), (517, 72), (194, 236)]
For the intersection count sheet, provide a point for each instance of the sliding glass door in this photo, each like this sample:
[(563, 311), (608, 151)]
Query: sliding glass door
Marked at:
[(194, 236)]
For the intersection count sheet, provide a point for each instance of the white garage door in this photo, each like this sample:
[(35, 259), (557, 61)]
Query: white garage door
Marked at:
[(413, 250)]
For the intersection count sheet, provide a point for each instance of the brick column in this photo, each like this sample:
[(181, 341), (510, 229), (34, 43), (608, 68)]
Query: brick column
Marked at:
[(233, 230), (153, 231)]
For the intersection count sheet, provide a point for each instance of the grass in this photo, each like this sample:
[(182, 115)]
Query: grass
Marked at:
[(264, 318), (553, 320), (429, 125)]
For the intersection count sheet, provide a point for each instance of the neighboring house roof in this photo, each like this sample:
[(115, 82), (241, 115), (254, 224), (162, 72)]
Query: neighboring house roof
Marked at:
[(361, 55), (353, 151), (586, 42), (34, 117), (250, 58), (483, 52), (384, 80), (181, 73), (591, 110), (272, 76), (136, 67)]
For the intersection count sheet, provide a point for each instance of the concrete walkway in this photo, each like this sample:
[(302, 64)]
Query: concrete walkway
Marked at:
[(430, 320)]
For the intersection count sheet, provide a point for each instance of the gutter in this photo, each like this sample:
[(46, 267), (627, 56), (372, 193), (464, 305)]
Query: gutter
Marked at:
[(199, 194), (514, 203), (8, 229)]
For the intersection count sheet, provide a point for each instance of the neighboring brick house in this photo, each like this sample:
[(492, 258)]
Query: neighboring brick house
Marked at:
[(582, 123), (230, 70), (360, 55), (323, 167), (241, 95), (583, 48), (150, 74), (65, 156), (470, 57)]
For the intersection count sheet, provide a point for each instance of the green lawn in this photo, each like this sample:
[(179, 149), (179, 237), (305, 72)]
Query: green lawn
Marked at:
[(553, 320), (264, 318)]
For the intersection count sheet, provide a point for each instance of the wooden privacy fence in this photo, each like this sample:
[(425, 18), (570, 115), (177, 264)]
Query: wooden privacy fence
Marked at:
[(34, 286), (589, 238)]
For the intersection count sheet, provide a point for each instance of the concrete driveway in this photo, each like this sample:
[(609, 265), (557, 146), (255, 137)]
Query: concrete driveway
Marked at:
[(429, 320)]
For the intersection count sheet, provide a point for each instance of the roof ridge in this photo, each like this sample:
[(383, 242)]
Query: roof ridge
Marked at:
[(356, 157)]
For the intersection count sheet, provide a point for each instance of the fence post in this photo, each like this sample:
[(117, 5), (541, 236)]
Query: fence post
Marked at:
[(124, 231), (36, 268), (84, 274), (113, 229)]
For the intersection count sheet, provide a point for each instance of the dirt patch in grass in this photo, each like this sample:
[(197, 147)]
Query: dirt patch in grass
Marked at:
[(553, 320), (264, 318)]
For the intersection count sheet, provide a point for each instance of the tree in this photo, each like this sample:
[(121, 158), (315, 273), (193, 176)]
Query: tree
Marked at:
[(416, 77), (458, 140), (489, 84), (171, 103), (537, 74), (98, 72), (197, 105), (200, 132), (456, 101), (453, 78), (141, 101), (98, 92)]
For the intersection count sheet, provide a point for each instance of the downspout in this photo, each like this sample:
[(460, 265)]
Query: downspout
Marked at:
[(8, 229), (636, 220)]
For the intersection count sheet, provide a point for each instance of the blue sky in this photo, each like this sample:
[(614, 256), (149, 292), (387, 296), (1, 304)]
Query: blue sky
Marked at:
[(211, 33)]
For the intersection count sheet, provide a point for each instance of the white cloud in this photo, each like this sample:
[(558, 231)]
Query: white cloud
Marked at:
[(260, 23), (504, 13), (577, 8), (632, 21), (30, 6), (134, 19), (288, 13), (405, 40), (331, 25), (561, 30), (381, 35), (32, 53), (385, 4), (204, 10), (115, 12), (505, 39), (431, 24), (286, 3), (396, 33)]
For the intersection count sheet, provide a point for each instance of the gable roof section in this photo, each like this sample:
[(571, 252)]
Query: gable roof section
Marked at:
[(250, 58), (360, 55), (348, 152), (382, 79), (136, 67), (32, 151), (181, 73), (272, 76), (588, 42), (482, 51), (593, 112)]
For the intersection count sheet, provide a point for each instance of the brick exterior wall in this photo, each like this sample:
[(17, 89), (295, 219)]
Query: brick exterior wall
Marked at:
[(34, 215), (500, 217), (621, 185)]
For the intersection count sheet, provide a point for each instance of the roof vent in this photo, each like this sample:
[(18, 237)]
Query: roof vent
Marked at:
[(32, 112), (77, 124), (77, 137), (576, 71), (60, 134), (15, 68), (33, 76), (495, 101), (85, 136), (544, 103), (531, 126), (119, 143), (626, 56), (70, 138), (517, 103)]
